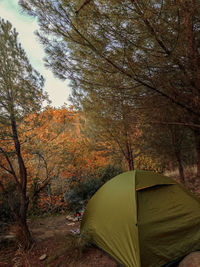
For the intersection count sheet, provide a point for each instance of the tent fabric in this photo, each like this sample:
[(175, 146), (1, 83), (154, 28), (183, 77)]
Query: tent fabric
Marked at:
[(169, 224), (113, 207), (145, 179), (143, 219)]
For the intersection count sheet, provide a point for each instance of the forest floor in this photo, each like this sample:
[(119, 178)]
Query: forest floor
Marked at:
[(50, 235)]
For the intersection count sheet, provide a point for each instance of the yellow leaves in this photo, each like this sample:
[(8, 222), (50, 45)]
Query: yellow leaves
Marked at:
[(39, 94), (147, 14), (146, 162)]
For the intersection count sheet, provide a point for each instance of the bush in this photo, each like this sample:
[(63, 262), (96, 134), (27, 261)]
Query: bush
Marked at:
[(79, 194), (108, 172), (5, 211), (6, 214)]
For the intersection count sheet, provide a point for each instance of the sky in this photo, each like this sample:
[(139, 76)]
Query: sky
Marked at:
[(25, 25)]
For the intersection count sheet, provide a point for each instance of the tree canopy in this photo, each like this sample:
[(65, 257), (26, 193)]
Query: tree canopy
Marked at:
[(147, 51), (153, 45)]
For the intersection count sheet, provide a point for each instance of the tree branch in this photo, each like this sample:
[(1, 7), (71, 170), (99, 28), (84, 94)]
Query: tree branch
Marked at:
[(84, 4), (11, 171)]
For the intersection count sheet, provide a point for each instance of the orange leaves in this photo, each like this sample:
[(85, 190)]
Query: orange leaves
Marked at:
[(54, 202), (53, 145), (56, 136)]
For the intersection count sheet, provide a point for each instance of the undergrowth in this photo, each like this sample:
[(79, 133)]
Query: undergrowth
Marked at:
[(76, 243)]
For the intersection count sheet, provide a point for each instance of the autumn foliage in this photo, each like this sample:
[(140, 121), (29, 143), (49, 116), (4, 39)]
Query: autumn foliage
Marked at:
[(59, 155), (56, 155)]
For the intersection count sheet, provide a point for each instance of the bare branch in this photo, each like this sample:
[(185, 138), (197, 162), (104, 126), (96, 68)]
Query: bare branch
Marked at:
[(193, 125), (82, 6), (12, 171)]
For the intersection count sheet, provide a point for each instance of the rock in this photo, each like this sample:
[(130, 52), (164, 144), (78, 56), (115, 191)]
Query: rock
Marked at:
[(75, 231), (69, 218), (10, 237), (43, 257), (191, 260), (71, 224)]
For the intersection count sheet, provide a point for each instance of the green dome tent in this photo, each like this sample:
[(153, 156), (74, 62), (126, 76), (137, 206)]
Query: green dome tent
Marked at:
[(143, 219)]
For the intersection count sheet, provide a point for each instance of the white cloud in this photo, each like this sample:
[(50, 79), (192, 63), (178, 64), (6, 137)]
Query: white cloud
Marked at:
[(57, 90)]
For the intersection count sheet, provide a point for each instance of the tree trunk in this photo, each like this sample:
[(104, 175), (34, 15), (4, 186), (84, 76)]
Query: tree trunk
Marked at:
[(23, 234), (33, 206), (24, 237), (180, 167), (129, 158), (197, 144), (176, 144), (130, 164)]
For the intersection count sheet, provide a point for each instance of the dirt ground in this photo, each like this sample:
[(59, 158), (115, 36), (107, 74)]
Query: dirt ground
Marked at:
[(50, 235)]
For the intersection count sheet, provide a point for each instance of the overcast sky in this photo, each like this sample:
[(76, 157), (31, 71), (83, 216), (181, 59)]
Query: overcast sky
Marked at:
[(57, 90)]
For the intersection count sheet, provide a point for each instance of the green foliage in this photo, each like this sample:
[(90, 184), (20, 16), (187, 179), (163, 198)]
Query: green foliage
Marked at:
[(144, 48), (136, 60), (21, 93), (108, 172), (79, 193), (21, 85)]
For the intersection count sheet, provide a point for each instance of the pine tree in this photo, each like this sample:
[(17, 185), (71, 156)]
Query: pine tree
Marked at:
[(154, 45), (20, 94)]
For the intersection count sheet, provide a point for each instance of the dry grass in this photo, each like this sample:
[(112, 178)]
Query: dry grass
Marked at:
[(191, 180), (75, 243)]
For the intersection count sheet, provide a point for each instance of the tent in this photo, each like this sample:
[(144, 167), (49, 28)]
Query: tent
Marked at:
[(143, 219)]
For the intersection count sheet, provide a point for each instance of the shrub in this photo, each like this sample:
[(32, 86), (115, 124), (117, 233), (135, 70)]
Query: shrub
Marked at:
[(79, 193), (6, 214), (108, 172)]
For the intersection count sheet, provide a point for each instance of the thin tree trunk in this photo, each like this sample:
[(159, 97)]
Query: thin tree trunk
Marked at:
[(197, 143), (24, 237), (176, 144), (129, 158), (180, 167), (130, 164)]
